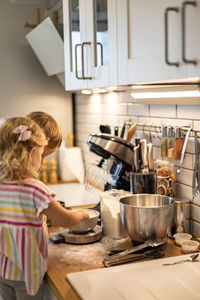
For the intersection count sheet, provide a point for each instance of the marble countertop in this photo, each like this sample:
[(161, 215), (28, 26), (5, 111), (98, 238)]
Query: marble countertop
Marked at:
[(74, 194)]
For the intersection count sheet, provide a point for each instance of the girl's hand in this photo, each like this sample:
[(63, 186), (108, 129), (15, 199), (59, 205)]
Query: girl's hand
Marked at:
[(84, 214)]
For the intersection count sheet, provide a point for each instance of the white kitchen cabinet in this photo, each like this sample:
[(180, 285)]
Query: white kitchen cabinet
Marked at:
[(153, 37), (47, 43), (90, 41)]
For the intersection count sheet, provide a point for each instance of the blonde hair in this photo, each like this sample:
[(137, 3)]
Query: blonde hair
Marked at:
[(14, 153), (50, 127)]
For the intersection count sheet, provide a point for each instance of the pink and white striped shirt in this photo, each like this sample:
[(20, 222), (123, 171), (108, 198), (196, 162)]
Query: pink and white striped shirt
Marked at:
[(23, 232)]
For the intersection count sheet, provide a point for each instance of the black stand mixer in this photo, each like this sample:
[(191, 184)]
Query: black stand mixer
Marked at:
[(125, 170), (122, 154)]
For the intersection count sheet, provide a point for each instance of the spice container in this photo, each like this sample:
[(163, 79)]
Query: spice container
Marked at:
[(181, 221), (189, 246), (164, 149), (178, 143), (170, 142), (180, 237)]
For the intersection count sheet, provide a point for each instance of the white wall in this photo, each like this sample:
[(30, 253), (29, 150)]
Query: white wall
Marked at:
[(24, 85)]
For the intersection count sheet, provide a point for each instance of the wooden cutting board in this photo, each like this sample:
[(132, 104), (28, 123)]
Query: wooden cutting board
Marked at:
[(143, 280)]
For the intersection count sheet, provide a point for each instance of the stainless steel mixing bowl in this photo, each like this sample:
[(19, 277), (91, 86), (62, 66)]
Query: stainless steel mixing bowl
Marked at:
[(146, 216)]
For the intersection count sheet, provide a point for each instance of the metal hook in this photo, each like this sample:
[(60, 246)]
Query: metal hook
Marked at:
[(143, 131), (150, 140)]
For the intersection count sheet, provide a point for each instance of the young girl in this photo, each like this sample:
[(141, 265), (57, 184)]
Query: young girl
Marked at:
[(23, 202), (51, 129)]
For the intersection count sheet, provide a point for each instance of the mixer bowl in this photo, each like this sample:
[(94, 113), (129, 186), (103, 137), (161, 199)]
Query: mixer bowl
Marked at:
[(146, 216), (88, 224)]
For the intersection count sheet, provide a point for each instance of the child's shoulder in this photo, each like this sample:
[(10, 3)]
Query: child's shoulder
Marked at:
[(36, 184)]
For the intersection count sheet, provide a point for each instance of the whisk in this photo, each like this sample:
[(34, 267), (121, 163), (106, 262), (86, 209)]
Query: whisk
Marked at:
[(96, 176)]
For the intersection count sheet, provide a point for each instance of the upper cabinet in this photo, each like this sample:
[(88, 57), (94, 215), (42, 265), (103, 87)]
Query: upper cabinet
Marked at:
[(158, 40), (90, 43), (47, 43)]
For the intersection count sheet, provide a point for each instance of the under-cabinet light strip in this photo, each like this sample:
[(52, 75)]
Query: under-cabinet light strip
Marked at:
[(179, 94)]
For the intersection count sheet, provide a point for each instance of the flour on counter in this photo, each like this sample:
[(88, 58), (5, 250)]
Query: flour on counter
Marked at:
[(90, 254)]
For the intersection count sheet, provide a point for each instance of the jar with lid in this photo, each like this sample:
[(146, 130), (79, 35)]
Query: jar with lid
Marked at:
[(164, 147), (110, 213), (178, 143), (170, 142)]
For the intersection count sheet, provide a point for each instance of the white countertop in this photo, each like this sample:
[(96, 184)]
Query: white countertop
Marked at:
[(74, 194), (148, 280)]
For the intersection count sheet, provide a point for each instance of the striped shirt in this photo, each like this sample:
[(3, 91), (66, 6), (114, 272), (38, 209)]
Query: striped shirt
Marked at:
[(23, 232)]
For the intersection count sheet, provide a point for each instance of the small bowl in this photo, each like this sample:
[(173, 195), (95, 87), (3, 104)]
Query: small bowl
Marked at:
[(180, 237), (88, 224), (189, 246)]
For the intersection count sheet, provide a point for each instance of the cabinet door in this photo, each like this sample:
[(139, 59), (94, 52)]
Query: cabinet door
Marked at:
[(149, 41), (141, 41), (191, 36), (102, 34), (74, 13), (90, 43), (173, 32)]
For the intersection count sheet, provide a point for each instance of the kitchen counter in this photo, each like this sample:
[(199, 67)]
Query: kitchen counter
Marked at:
[(67, 258), (75, 195)]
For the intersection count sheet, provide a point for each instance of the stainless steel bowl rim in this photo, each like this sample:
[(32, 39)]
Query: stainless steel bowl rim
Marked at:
[(143, 207)]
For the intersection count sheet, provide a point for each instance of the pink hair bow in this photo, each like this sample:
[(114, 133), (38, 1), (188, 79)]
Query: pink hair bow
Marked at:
[(24, 133)]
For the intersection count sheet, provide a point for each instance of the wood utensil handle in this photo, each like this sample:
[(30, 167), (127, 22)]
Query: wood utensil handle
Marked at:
[(131, 132), (70, 140)]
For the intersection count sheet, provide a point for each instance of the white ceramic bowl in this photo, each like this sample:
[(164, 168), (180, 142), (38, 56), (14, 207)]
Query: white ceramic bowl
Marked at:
[(189, 246), (180, 237), (86, 225)]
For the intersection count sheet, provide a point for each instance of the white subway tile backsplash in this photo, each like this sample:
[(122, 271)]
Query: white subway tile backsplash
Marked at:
[(185, 177), (90, 118), (150, 121), (160, 111), (195, 213), (196, 125), (188, 112), (87, 128), (188, 161), (183, 191), (195, 228), (137, 109), (196, 198), (115, 108), (176, 122)]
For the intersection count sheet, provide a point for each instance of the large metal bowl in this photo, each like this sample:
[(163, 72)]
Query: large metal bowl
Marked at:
[(146, 216)]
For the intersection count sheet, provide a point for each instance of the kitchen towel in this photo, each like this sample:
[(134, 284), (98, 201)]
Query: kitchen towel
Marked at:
[(71, 164)]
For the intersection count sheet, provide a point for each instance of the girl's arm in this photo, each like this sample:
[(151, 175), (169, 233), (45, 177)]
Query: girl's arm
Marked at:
[(59, 216)]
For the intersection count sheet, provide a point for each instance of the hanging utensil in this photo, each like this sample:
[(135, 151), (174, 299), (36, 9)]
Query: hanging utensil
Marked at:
[(105, 129), (183, 150), (116, 131), (136, 158), (122, 132), (150, 156), (144, 155), (131, 132)]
